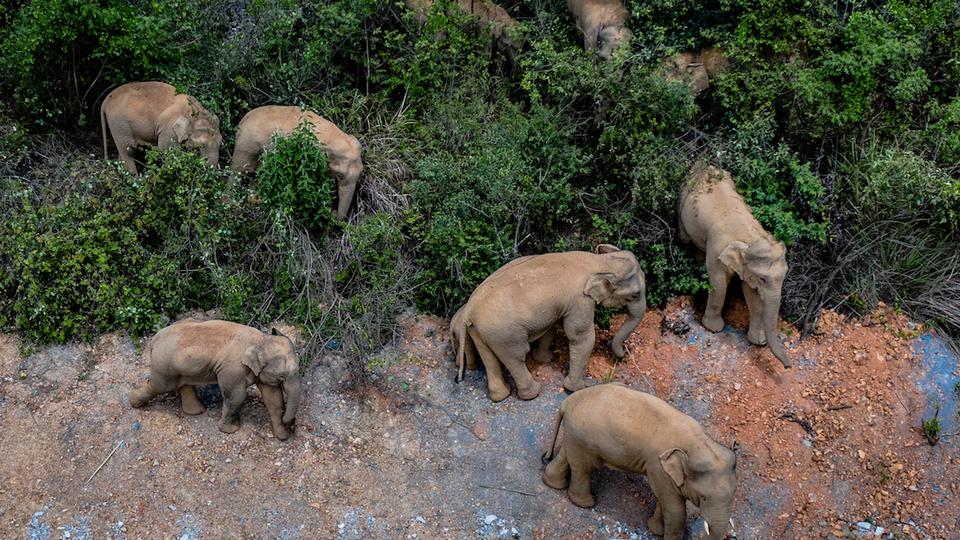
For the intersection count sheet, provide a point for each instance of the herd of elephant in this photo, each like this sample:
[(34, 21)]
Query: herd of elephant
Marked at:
[(516, 310), (513, 312)]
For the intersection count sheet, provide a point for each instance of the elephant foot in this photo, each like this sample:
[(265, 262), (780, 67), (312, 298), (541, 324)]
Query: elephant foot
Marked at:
[(135, 400), (227, 427), (543, 356), (714, 323), (193, 409), (559, 482), (530, 392), (499, 393), (655, 525), (281, 432), (574, 384), (757, 337), (581, 500)]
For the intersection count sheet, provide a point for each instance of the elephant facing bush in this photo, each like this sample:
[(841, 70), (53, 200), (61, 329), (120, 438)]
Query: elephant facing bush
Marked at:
[(527, 298), (153, 114), (611, 425), (258, 127), (603, 24), (189, 353), (718, 221)]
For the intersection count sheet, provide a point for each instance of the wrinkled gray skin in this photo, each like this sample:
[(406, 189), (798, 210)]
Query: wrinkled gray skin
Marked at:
[(603, 24), (525, 300), (142, 114), (188, 353), (610, 425), (718, 221)]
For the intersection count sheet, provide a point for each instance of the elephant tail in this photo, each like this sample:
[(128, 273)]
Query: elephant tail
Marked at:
[(461, 334), (548, 455), (103, 128)]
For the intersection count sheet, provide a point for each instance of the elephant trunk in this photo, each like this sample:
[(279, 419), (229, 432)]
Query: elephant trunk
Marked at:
[(637, 309), (345, 196), (717, 522), (771, 312), (292, 391), (212, 155)]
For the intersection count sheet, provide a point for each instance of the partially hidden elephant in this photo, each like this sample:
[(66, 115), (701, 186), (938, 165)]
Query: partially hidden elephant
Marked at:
[(152, 113), (525, 300), (696, 69), (603, 24), (623, 429), (715, 218), (257, 128), (491, 17), (189, 353)]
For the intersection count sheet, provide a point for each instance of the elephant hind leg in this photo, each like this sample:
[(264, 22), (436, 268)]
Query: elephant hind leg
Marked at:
[(513, 354), (149, 390), (544, 350), (189, 401), (557, 471), (582, 464), (497, 386)]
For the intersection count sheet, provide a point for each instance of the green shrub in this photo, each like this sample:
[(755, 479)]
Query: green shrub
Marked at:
[(294, 179)]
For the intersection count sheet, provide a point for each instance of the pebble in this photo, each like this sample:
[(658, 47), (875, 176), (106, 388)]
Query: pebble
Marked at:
[(489, 519), (420, 519)]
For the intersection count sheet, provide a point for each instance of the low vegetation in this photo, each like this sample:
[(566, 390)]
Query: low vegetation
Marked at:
[(840, 121)]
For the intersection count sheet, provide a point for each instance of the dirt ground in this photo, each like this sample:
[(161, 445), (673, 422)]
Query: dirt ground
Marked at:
[(829, 449)]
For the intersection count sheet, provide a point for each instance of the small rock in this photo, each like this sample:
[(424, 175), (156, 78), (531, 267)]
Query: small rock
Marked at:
[(737, 386), (865, 526), (419, 519), (489, 519), (878, 531), (172, 508), (136, 425)]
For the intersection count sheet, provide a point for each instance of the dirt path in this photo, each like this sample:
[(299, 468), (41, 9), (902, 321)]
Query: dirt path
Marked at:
[(831, 443)]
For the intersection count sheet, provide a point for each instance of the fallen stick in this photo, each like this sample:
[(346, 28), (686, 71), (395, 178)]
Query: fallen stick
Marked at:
[(105, 460), (508, 489)]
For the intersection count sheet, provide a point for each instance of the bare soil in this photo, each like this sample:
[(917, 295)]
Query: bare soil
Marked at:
[(831, 448)]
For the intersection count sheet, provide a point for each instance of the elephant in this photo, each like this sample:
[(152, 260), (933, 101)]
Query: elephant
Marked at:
[(189, 353), (603, 24), (154, 114), (715, 218), (491, 16), (623, 429), (694, 69), (258, 126), (528, 298)]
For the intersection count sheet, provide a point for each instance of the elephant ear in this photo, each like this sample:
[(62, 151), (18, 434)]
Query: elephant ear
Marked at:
[(599, 286), (732, 256), (254, 360), (674, 462), (605, 248), (181, 128)]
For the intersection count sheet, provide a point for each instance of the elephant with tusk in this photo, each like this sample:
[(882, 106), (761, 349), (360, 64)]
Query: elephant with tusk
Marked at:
[(525, 300), (189, 353), (715, 218)]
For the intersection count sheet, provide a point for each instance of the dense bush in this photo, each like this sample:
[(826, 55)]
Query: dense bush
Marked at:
[(839, 122)]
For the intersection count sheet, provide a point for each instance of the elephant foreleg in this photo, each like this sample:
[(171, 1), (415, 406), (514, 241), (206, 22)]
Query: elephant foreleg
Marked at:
[(273, 400), (755, 334), (712, 317), (581, 334), (496, 385), (655, 524), (233, 398), (674, 512), (189, 401)]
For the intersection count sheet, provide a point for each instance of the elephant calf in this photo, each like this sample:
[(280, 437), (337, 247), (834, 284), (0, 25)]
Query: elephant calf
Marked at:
[(718, 221), (232, 355), (694, 69), (258, 127), (603, 24), (154, 114), (527, 298), (623, 429)]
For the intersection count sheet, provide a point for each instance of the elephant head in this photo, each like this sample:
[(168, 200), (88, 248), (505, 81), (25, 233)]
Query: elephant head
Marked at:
[(686, 68), (191, 127), (275, 362), (611, 38), (619, 283), (762, 266), (705, 475)]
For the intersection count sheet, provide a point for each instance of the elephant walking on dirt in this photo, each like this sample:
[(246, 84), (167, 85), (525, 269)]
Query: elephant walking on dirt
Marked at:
[(527, 298), (189, 353), (258, 127), (718, 221), (611, 425), (153, 114)]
